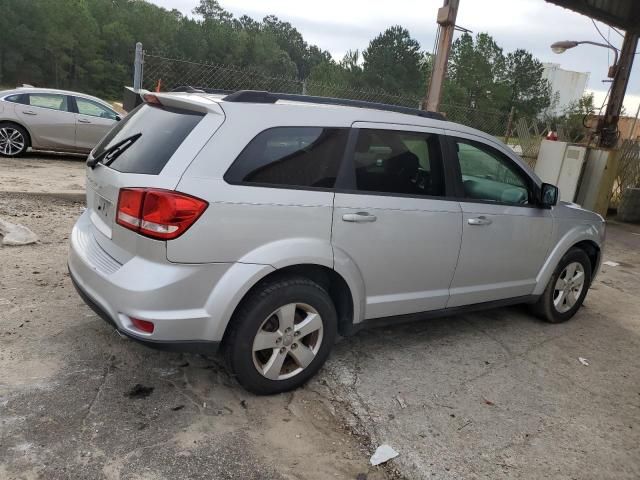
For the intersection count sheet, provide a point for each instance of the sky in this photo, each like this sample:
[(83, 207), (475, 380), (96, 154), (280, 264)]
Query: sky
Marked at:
[(341, 25)]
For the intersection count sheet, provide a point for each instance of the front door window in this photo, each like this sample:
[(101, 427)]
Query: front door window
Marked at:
[(489, 175)]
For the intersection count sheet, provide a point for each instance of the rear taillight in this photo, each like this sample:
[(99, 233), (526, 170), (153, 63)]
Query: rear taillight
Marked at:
[(159, 214)]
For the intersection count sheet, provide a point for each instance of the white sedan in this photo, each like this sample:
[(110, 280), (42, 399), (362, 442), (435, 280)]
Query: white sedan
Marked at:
[(47, 119)]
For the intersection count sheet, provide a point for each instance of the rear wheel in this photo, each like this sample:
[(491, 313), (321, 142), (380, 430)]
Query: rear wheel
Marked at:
[(566, 289), (281, 335), (14, 140)]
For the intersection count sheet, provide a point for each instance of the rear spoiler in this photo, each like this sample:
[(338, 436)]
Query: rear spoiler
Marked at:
[(131, 99)]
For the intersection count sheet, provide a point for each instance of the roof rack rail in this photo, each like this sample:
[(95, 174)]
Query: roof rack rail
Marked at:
[(190, 89), (258, 96)]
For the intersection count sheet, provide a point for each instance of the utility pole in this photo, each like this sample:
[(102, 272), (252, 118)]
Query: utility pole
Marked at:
[(608, 126), (447, 23)]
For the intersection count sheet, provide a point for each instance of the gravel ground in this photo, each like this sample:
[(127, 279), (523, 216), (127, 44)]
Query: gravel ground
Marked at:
[(496, 394), (78, 401), (44, 174)]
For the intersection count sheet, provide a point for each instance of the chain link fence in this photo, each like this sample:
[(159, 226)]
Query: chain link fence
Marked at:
[(628, 174), (169, 73), (522, 134)]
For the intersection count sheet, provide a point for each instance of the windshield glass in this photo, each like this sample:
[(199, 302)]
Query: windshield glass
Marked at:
[(162, 130)]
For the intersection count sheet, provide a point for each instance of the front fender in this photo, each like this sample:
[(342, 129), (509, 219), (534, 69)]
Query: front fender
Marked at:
[(578, 233)]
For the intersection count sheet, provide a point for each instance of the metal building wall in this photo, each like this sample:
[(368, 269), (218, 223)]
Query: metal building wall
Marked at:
[(569, 85)]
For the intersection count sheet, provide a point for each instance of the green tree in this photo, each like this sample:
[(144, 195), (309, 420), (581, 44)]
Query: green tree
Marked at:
[(392, 62), (575, 117), (529, 93), (211, 11), (477, 73)]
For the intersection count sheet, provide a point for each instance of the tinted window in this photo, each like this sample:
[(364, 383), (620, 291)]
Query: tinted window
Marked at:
[(296, 156), (489, 175), (94, 109), (17, 98), (392, 161), (54, 101), (163, 130)]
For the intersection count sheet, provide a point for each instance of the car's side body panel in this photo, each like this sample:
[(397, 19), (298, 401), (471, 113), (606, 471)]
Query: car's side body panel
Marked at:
[(407, 256), (49, 128), (501, 259)]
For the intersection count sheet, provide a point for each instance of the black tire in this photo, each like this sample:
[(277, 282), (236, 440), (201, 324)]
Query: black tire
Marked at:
[(545, 307), (26, 141), (257, 308)]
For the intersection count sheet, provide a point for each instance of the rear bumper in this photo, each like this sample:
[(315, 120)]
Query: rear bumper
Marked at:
[(193, 346), (189, 304)]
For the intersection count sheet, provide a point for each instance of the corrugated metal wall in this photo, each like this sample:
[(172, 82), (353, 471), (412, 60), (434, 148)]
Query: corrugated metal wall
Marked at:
[(568, 85)]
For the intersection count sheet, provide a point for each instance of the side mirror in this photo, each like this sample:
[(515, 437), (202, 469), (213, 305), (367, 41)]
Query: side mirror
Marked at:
[(118, 118), (548, 195)]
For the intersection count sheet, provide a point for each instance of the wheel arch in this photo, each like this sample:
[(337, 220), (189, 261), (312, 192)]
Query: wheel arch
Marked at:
[(592, 249), (335, 284), (584, 237)]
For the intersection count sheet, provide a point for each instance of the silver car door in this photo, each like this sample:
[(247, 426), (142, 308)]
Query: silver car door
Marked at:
[(49, 119), (393, 222), (506, 236), (93, 121)]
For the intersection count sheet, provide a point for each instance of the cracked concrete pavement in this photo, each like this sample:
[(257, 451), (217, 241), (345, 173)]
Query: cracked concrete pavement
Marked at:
[(501, 394), (483, 395)]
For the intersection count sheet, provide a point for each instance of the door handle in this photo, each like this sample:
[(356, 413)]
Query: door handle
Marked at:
[(82, 120), (29, 112), (479, 221), (359, 217)]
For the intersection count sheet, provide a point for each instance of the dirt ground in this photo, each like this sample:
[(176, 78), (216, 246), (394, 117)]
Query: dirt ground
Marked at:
[(46, 173), (496, 394)]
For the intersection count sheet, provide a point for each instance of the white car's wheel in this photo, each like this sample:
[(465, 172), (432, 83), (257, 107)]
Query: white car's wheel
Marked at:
[(14, 140)]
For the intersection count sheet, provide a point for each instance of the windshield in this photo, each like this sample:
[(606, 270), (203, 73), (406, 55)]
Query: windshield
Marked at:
[(161, 131)]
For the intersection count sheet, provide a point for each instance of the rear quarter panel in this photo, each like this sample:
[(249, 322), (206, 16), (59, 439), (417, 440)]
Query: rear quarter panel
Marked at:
[(251, 224)]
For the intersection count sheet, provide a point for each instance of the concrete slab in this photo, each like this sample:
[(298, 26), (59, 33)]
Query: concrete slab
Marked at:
[(500, 393)]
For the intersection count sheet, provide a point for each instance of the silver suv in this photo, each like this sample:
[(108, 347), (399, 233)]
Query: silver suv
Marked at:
[(268, 224)]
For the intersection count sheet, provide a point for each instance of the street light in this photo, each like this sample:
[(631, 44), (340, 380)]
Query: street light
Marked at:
[(561, 47)]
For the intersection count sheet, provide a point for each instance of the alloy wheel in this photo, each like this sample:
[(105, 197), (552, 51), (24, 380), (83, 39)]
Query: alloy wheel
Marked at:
[(11, 141), (568, 287), (287, 341)]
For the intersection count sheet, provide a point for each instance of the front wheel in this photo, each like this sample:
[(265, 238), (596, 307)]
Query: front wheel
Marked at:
[(281, 335), (14, 140), (566, 289)]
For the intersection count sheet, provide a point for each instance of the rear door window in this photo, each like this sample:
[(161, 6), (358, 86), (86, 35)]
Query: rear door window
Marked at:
[(16, 98), (398, 162), (291, 156), (163, 130), (53, 101)]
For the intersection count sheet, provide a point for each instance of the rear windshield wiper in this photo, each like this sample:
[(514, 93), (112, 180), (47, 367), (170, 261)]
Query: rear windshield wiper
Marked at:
[(110, 154)]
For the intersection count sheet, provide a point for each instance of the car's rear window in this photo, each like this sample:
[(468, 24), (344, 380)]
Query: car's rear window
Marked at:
[(163, 130)]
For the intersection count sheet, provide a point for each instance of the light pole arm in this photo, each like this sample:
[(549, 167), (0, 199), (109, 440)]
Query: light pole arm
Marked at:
[(615, 50)]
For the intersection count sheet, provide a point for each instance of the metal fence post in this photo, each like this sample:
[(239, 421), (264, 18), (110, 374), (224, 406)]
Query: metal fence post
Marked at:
[(509, 126), (137, 68), (304, 86)]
